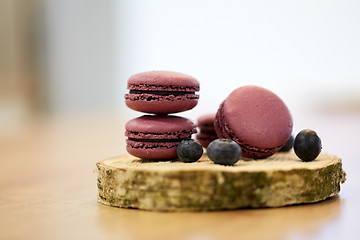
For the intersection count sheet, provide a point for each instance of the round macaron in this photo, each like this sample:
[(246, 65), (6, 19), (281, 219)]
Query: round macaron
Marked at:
[(207, 132), (156, 137), (255, 118), (162, 92)]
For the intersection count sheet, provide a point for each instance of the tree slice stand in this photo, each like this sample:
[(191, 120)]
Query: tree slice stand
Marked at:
[(280, 180)]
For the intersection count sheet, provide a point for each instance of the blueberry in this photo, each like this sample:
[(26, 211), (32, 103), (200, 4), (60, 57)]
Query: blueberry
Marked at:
[(224, 151), (307, 145), (189, 150), (288, 145)]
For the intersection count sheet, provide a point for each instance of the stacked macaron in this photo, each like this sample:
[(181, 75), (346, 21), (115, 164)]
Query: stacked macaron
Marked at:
[(207, 132), (156, 136)]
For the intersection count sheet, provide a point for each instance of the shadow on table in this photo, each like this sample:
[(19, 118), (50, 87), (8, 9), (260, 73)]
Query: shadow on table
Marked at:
[(268, 223)]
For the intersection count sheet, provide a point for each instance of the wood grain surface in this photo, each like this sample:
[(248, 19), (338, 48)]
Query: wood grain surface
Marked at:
[(280, 180), (48, 189)]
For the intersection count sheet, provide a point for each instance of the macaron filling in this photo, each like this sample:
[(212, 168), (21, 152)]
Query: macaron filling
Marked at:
[(154, 150), (157, 92), (152, 144), (154, 140), (170, 88), (168, 136), (161, 93), (209, 132), (159, 98), (156, 95)]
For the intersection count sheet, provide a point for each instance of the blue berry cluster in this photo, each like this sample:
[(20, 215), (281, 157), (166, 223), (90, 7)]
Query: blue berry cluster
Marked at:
[(220, 151), (307, 146)]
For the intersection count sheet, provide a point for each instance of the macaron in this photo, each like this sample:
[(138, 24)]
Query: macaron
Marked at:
[(162, 92), (257, 119), (156, 137), (207, 132)]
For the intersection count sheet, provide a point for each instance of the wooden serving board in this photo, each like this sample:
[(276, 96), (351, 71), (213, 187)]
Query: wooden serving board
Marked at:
[(280, 180)]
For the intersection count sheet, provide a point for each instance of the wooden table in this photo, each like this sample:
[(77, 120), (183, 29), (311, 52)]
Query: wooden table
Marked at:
[(48, 189)]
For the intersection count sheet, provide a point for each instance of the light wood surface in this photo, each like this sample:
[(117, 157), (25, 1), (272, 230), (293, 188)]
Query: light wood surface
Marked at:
[(48, 189)]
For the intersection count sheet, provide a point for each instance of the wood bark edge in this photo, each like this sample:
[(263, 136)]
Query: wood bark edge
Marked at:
[(278, 181)]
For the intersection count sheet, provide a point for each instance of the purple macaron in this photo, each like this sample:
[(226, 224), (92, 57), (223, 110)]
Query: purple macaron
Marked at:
[(156, 137), (207, 132), (162, 92), (255, 118)]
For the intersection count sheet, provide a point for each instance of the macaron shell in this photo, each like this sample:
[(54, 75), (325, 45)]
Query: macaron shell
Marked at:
[(159, 127), (258, 116), (255, 118), (152, 150), (163, 80), (223, 131), (221, 126), (206, 122), (207, 131), (206, 138)]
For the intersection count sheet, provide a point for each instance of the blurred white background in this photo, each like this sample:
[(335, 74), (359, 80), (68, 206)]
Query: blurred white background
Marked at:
[(307, 52)]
